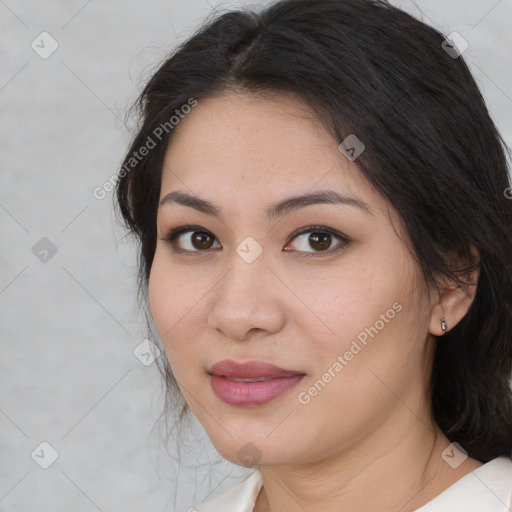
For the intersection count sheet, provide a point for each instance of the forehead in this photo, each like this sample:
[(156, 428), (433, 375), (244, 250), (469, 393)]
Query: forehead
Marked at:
[(258, 147)]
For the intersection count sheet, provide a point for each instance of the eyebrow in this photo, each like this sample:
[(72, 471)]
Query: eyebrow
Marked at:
[(274, 210)]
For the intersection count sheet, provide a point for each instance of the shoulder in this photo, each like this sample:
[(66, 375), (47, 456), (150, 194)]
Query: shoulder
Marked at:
[(240, 498), (486, 489)]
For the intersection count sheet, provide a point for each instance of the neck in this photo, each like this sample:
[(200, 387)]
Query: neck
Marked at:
[(393, 469)]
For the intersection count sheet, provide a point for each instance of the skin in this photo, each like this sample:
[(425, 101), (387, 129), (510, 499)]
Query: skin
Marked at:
[(366, 441)]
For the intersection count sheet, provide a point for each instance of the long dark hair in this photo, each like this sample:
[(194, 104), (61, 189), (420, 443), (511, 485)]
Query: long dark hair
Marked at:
[(431, 149)]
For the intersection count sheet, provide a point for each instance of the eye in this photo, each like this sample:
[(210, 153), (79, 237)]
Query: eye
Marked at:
[(196, 239), (320, 239), (191, 239)]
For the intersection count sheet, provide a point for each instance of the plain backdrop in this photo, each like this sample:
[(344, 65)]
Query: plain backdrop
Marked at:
[(69, 322)]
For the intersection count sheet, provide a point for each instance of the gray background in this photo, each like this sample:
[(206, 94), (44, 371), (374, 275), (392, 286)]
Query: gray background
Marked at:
[(68, 375)]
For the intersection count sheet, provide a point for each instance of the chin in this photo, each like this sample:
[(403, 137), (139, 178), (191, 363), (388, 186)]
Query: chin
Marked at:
[(253, 451)]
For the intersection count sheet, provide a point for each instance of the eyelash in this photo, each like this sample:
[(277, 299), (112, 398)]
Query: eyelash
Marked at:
[(172, 237)]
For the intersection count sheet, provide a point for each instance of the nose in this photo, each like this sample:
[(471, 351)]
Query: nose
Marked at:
[(247, 300)]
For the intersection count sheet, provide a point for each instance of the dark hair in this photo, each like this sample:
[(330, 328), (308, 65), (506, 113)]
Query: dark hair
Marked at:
[(432, 150)]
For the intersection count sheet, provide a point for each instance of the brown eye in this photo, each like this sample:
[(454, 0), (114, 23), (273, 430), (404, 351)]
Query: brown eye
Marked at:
[(190, 239), (201, 240), (316, 240), (320, 241)]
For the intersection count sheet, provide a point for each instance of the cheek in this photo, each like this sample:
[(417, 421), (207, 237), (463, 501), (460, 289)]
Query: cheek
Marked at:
[(371, 356), (333, 310), (175, 305), (162, 300), (362, 314)]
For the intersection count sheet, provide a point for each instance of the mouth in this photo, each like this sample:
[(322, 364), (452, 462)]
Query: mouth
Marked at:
[(261, 379), (251, 384)]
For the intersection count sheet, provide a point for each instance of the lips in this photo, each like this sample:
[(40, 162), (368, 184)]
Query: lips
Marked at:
[(251, 384), (251, 370)]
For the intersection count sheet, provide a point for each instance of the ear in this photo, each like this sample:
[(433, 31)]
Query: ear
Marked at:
[(454, 301)]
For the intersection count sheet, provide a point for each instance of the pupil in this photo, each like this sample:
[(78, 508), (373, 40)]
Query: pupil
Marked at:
[(201, 239), (320, 240)]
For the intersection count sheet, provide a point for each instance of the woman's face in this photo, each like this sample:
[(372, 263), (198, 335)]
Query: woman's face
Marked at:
[(325, 289)]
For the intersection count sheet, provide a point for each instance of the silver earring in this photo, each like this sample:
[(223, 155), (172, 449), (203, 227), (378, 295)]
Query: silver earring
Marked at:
[(443, 325)]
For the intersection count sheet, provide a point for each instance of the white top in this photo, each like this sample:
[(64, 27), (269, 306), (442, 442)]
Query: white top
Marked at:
[(486, 489)]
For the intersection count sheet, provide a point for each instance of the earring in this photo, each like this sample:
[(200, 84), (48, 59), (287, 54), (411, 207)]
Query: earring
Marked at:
[(443, 325)]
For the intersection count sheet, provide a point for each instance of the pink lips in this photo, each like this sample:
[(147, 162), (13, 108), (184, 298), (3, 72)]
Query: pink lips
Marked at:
[(272, 382)]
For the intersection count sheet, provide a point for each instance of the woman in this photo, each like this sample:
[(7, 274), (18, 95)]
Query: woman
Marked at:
[(320, 198)]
